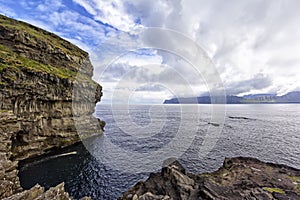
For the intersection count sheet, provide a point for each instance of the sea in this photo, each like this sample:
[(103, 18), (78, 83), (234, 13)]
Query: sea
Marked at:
[(140, 139)]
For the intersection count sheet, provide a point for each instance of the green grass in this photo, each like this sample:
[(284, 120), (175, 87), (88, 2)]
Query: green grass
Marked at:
[(271, 190), (13, 63), (42, 35), (36, 66), (295, 178)]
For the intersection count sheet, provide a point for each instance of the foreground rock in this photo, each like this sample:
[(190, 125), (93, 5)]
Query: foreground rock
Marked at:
[(39, 193), (238, 178), (46, 86)]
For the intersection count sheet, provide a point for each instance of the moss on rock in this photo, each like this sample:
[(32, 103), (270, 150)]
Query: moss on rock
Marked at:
[(271, 190)]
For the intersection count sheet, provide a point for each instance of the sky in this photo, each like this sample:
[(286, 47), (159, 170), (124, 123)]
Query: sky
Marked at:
[(138, 47)]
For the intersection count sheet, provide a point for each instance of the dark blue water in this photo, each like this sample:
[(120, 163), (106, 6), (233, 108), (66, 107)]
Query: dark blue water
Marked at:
[(138, 139)]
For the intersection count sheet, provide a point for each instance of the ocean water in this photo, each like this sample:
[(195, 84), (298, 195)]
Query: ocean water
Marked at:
[(139, 138)]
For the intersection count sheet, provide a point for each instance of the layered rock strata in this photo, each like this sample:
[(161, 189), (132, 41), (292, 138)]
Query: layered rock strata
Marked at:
[(46, 87), (238, 178)]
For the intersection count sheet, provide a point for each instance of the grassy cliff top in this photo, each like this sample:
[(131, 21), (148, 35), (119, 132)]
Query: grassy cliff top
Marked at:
[(42, 35), (24, 47), (12, 61)]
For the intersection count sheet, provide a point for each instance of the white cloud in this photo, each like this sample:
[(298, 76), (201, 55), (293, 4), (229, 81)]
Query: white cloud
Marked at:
[(90, 8), (250, 41), (111, 12), (244, 37)]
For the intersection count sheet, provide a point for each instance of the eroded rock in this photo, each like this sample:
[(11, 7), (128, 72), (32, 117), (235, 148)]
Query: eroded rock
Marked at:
[(38, 193), (238, 178), (46, 87)]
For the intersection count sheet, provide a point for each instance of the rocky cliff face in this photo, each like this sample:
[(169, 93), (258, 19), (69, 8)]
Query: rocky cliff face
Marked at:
[(46, 87), (238, 178)]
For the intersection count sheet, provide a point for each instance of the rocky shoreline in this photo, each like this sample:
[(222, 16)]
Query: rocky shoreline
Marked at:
[(238, 178)]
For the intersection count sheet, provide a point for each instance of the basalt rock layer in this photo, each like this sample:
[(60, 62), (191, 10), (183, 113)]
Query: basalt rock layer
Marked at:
[(47, 97), (238, 178)]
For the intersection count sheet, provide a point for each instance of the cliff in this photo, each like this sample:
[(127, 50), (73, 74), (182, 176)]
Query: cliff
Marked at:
[(238, 178), (39, 74)]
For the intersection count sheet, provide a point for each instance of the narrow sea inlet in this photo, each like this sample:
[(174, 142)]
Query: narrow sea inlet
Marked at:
[(267, 132)]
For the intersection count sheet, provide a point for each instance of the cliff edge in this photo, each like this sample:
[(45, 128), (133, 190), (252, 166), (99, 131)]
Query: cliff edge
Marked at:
[(238, 178), (38, 74)]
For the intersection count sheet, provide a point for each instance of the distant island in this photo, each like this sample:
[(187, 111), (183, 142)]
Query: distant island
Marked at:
[(291, 97)]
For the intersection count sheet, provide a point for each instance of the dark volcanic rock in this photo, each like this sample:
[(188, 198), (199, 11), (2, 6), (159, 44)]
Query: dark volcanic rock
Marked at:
[(238, 178)]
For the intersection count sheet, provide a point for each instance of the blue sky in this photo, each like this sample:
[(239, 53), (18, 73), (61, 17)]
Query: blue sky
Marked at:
[(254, 44)]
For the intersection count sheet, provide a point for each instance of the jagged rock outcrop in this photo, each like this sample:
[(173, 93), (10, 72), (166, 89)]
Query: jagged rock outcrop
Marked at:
[(38, 193), (46, 87), (238, 178)]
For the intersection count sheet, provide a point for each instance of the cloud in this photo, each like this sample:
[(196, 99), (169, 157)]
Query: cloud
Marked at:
[(254, 44), (235, 35), (89, 6), (255, 83), (151, 88), (57, 16), (112, 12)]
